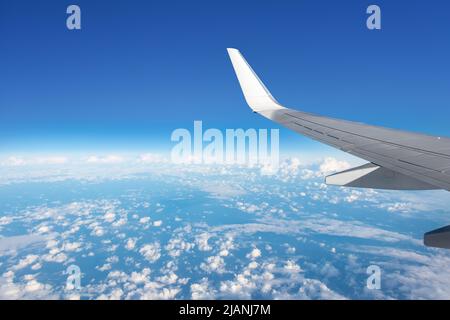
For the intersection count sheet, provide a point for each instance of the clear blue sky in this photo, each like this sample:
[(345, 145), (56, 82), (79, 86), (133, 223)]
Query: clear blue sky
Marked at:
[(139, 69)]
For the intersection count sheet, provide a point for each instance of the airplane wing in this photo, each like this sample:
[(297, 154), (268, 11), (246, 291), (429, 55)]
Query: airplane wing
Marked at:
[(398, 160)]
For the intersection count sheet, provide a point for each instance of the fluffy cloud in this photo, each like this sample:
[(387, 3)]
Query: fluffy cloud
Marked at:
[(144, 220), (332, 165), (25, 262), (202, 290), (29, 288), (151, 252), (202, 242), (131, 243), (291, 266), (255, 253), (140, 277), (241, 287), (109, 216), (72, 246), (157, 223), (177, 245), (213, 264), (313, 289)]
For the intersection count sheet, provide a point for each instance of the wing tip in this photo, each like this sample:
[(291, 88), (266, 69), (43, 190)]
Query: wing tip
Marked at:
[(256, 94)]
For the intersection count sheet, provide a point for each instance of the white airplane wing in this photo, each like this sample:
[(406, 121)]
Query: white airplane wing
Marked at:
[(398, 160)]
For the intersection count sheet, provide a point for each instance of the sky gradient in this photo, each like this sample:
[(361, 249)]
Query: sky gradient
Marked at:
[(138, 69)]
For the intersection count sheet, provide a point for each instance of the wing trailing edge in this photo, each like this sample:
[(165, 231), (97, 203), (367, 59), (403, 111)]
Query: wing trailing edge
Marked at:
[(439, 238), (375, 177)]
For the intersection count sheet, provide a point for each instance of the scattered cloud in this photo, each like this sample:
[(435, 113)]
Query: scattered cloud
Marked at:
[(202, 242), (151, 252), (202, 290), (255, 253), (332, 165), (260, 248), (213, 264)]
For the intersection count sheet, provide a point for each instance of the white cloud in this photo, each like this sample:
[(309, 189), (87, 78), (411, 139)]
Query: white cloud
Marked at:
[(202, 290), (176, 246), (151, 252), (329, 271), (221, 190), (289, 249), (240, 287), (151, 158), (156, 291), (17, 161), (14, 162), (226, 245), (353, 196), (131, 243), (255, 253), (290, 211), (399, 207), (109, 216), (120, 222), (51, 160), (202, 242), (25, 262), (213, 264), (72, 246), (170, 278), (313, 289), (416, 276), (43, 229), (115, 294), (105, 267), (5, 220), (10, 245), (157, 223), (109, 159), (140, 277), (30, 288), (291, 266), (98, 231), (144, 220), (55, 255), (332, 165), (224, 253), (317, 224)]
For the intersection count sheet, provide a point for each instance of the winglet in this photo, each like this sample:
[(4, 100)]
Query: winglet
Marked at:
[(255, 92)]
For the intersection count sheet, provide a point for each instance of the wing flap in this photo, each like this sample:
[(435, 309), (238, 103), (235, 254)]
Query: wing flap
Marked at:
[(439, 238), (376, 177)]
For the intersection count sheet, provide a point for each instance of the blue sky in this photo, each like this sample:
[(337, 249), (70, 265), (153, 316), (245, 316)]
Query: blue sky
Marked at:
[(139, 69)]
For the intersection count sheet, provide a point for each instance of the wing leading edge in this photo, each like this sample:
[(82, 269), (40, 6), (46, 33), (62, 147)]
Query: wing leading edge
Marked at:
[(399, 160)]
